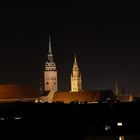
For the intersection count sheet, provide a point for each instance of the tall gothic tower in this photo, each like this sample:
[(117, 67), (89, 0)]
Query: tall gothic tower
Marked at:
[(76, 80), (50, 73)]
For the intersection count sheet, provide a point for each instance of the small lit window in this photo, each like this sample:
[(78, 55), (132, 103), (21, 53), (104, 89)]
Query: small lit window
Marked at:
[(107, 127), (119, 124)]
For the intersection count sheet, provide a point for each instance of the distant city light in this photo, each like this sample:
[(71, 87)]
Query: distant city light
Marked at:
[(107, 127), (121, 137), (2, 119), (36, 101), (119, 124), (40, 101), (18, 118)]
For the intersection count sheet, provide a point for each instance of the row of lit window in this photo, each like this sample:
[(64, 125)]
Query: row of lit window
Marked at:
[(52, 78)]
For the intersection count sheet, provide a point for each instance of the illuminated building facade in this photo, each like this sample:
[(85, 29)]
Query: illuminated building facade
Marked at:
[(50, 73), (76, 94), (18, 92), (76, 80), (51, 93)]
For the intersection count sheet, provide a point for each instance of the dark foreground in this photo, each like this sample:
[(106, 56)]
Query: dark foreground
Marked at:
[(69, 122)]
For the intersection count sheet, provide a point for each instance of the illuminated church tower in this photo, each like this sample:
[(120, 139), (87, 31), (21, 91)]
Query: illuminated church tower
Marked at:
[(76, 80), (50, 73)]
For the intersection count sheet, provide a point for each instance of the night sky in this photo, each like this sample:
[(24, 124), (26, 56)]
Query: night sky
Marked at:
[(106, 41)]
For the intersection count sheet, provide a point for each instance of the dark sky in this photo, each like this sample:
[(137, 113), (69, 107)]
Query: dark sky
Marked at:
[(106, 41)]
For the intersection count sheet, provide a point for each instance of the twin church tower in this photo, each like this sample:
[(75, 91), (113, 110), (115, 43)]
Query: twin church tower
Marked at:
[(50, 74)]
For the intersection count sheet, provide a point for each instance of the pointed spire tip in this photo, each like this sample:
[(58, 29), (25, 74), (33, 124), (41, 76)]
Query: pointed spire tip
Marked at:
[(50, 49), (75, 60)]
